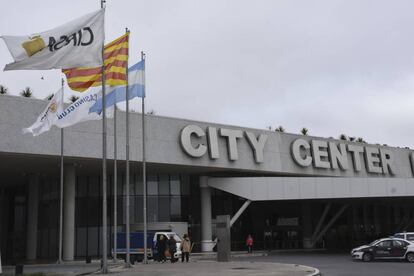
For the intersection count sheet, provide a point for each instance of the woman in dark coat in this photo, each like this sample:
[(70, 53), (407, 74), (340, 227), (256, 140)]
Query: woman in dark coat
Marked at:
[(161, 247), (172, 247)]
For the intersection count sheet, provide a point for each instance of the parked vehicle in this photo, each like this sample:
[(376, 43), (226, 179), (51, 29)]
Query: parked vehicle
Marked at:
[(388, 248), (136, 247), (409, 236)]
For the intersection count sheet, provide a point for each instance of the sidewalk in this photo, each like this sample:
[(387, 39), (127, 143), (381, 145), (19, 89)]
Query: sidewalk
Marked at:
[(212, 268), (194, 267), (200, 264)]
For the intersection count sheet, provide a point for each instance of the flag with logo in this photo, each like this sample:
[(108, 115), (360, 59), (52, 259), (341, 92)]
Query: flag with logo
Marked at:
[(115, 60), (136, 88), (56, 114), (74, 44), (48, 117)]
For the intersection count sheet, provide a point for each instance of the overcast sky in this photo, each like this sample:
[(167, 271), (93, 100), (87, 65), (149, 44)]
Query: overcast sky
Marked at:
[(331, 66)]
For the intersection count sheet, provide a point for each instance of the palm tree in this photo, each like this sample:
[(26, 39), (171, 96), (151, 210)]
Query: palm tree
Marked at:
[(304, 131), (73, 98), (360, 140), (343, 137), (3, 89), (48, 98), (27, 92), (352, 139), (280, 129)]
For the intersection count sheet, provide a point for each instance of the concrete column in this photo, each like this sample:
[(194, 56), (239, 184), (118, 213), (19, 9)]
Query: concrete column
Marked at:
[(32, 217), (69, 213), (307, 226), (206, 231)]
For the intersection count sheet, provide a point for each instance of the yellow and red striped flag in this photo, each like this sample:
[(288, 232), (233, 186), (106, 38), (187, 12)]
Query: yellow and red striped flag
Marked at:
[(115, 60)]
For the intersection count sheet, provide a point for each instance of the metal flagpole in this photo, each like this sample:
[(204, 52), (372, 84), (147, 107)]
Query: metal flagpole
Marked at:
[(104, 211), (144, 169), (115, 186), (60, 261), (127, 260)]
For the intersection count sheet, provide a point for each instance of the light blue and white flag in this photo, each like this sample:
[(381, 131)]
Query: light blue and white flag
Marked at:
[(118, 94)]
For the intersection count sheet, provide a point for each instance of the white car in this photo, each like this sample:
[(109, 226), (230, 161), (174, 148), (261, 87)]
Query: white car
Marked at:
[(388, 248), (409, 236)]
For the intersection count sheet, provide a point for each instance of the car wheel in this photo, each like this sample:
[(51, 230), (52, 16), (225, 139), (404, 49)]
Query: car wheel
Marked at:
[(410, 257), (367, 257)]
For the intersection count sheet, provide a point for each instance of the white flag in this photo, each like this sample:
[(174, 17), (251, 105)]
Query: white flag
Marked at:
[(74, 44), (79, 111), (48, 117), (56, 114)]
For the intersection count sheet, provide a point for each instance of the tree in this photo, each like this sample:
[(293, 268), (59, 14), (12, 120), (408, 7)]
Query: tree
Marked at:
[(152, 112), (3, 89), (73, 98), (280, 129), (27, 92), (360, 140), (343, 137), (269, 127), (49, 97), (304, 131), (352, 139)]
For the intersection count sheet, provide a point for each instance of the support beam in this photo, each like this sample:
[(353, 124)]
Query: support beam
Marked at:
[(306, 222), (321, 220), (69, 213), (240, 212), (332, 221), (32, 217), (206, 230)]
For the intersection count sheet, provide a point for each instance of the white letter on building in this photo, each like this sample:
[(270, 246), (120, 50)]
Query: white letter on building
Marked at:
[(338, 156), (185, 140), (320, 152), (356, 150), (387, 162), (213, 149), (304, 161), (232, 136), (372, 158), (257, 145)]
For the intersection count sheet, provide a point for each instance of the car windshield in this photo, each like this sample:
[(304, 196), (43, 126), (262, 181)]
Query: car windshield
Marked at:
[(374, 242)]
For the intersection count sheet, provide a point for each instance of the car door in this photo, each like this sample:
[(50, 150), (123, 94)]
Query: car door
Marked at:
[(383, 249), (398, 248)]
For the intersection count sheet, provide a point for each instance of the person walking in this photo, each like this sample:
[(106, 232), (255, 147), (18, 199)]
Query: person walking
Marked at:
[(161, 247), (185, 248), (249, 243), (172, 247)]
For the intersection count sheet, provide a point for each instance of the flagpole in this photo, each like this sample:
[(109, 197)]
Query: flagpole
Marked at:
[(128, 256), (104, 210), (60, 261), (115, 187), (144, 170)]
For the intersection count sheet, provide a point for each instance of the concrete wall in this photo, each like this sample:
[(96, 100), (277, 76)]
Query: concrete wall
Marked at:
[(85, 141)]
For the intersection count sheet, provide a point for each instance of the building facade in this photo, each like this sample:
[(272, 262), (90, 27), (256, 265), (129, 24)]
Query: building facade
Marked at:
[(288, 191)]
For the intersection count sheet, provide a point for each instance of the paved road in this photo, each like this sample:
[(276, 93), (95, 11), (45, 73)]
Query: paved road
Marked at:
[(339, 264)]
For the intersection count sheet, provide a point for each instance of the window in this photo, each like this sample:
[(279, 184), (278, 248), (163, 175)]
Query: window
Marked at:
[(410, 237), (175, 184), (386, 243), (163, 187), (152, 185), (399, 243)]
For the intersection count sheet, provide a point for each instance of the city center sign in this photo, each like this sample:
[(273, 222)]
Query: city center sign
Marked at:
[(319, 154)]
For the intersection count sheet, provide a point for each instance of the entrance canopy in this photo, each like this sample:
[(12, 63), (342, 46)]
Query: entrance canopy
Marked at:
[(288, 188)]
